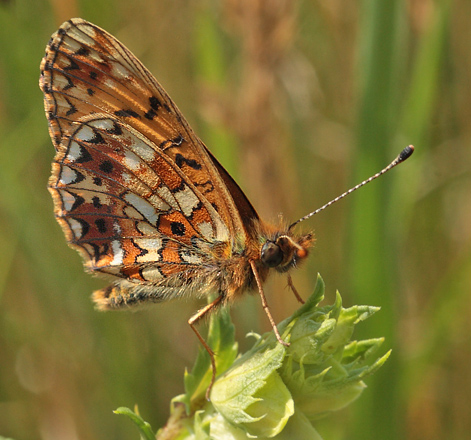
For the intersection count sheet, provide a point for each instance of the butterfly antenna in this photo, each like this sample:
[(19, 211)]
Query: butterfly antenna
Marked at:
[(404, 154)]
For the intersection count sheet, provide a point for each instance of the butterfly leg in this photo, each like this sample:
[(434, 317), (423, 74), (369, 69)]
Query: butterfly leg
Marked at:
[(265, 305), (192, 321), (293, 289)]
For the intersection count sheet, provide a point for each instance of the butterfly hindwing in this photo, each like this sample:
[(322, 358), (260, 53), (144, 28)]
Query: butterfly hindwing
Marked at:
[(124, 205)]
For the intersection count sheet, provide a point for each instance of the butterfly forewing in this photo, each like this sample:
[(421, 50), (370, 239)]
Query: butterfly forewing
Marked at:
[(136, 192), (87, 72)]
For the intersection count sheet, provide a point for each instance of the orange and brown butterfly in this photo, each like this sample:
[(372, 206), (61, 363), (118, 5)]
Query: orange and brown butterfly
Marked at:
[(139, 195)]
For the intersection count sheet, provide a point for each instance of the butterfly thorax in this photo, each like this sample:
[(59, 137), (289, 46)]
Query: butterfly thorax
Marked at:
[(272, 248)]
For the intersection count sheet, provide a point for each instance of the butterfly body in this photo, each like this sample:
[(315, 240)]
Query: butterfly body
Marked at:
[(226, 273)]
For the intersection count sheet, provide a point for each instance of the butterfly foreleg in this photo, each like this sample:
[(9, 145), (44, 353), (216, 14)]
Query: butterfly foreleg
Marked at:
[(265, 304), (293, 289), (192, 321)]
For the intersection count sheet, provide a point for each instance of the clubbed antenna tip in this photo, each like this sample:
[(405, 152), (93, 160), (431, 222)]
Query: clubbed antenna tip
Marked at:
[(406, 153)]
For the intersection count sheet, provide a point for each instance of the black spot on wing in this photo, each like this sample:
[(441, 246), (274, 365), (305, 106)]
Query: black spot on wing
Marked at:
[(78, 177), (116, 130), (151, 114), (178, 229), (78, 200), (72, 66), (175, 142), (96, 139), (127, 113), (106, 166), (83, 51), (100, 223), (178, 140), (205, 187), (84, 156), (180, 160), (96, 202), (155, 104), (84, 225)]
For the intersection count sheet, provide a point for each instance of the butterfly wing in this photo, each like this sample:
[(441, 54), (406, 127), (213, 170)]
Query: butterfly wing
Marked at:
[(86, 70), (135, 191)]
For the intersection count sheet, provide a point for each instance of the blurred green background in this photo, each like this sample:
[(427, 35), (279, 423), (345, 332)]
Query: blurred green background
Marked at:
[(299, 100)]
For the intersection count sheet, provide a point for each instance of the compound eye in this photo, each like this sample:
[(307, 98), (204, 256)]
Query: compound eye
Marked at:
[(271, 254)]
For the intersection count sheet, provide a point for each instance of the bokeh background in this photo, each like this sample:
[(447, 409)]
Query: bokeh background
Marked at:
[(299, 100)]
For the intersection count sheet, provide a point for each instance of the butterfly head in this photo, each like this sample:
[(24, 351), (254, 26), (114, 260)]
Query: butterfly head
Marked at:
[(285, 251)]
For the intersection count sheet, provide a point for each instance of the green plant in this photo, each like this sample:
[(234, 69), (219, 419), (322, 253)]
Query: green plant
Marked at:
[(273, 391)]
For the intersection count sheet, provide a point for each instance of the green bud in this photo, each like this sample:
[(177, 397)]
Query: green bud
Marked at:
[(322, 369)]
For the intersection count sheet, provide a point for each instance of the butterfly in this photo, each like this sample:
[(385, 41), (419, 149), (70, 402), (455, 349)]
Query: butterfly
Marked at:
[(140, 196)]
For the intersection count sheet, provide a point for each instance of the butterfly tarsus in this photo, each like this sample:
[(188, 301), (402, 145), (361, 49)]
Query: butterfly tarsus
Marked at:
[(293, 289), (265, 305), (192, 321)]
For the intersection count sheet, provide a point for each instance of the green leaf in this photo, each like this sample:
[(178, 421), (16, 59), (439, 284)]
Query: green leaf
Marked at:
[(144, 427), (251, 394)]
